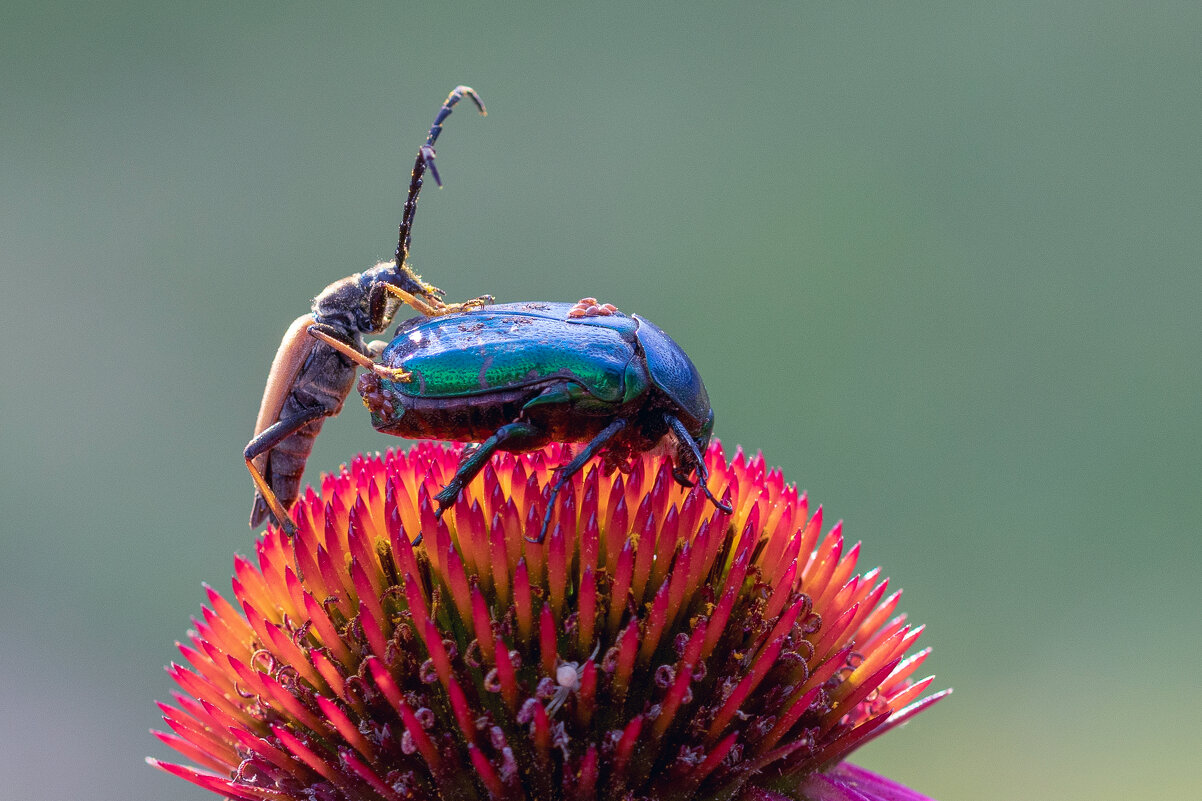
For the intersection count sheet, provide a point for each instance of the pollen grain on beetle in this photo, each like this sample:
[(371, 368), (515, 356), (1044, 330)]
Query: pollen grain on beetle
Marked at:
[(653, 647)]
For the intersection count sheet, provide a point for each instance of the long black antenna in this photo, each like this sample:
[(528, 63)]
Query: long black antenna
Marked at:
[(425, 158)]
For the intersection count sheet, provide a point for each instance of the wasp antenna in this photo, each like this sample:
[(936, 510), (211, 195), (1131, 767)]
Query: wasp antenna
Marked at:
[(427, 154), (425, 158)]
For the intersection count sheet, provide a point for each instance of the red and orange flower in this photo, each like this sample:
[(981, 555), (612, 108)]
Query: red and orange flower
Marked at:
[(651, 648)]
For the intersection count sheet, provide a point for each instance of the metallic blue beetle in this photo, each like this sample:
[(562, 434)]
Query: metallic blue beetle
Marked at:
[(516, 376)]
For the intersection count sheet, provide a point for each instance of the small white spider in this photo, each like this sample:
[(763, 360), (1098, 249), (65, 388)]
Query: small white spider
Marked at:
[(567, 681)]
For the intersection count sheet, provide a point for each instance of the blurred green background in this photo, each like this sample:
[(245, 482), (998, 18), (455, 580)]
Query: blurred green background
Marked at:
[(940, 261)]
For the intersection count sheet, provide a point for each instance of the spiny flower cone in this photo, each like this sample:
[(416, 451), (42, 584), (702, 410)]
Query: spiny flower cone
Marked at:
[(652, 647)]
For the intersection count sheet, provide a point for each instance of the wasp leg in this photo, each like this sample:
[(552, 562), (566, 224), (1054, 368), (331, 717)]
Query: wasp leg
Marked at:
[(683, 435), (270, 437), (572, 467), (434, 307), (329, 335), (520, 436)]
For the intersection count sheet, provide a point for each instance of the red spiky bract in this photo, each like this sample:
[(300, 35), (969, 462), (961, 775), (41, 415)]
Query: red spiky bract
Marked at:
[(711, 656)]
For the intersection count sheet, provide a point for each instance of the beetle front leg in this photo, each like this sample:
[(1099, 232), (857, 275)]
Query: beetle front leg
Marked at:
[(681, 474), (519, 436)]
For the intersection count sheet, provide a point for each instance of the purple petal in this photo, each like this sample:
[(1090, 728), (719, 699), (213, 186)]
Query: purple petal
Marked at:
[(850, 783)]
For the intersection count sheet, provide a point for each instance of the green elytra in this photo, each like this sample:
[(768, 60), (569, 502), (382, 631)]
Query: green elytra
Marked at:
[(516, 345)]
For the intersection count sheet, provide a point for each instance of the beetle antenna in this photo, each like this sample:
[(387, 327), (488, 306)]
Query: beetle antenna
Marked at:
[(683, 435), (425, 158)]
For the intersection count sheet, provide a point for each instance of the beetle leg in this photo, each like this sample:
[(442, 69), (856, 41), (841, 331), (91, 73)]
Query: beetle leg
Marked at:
[(322, 332), (573, 467), (681, 474), (519, 436), (270, 437), (562, 394), (569, 394), (682, 434)]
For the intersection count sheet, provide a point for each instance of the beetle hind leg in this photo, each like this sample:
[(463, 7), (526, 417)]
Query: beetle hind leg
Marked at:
[(686, 440)]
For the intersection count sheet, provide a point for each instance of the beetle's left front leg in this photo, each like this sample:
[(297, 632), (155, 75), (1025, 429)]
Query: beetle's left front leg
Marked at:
[(519, 436)]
